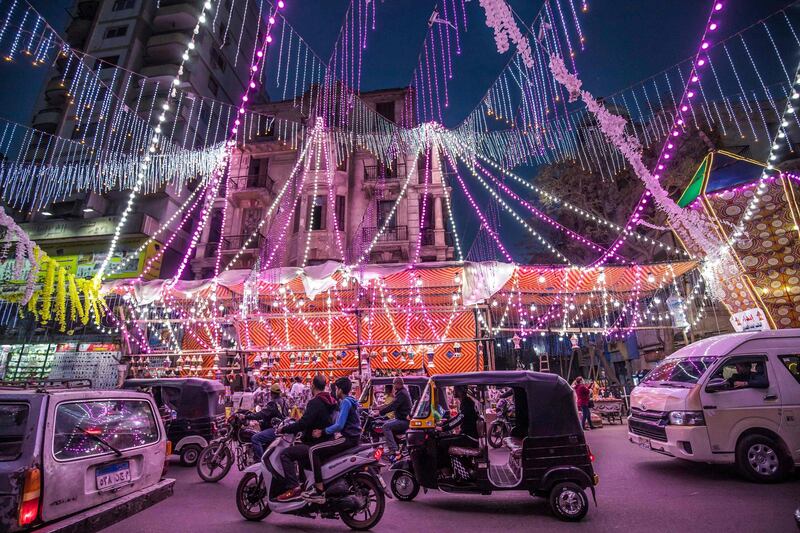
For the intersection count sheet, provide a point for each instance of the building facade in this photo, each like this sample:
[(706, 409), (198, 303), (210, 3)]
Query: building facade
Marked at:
[(129, 43), (343, 221)]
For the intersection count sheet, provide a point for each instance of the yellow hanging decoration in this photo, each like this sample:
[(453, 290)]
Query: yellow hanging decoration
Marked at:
[(61, 300), (47, 289)]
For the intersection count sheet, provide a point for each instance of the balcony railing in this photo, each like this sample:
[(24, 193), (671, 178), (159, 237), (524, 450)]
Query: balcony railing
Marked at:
[(251, 181), (390, 234), (237, 242), (377, 172)]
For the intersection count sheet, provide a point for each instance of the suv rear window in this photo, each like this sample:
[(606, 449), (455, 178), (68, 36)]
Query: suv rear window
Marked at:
[(88, 428), (13, 422)]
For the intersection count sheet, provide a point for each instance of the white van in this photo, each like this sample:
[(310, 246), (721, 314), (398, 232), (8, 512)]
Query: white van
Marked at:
[(728, 399)]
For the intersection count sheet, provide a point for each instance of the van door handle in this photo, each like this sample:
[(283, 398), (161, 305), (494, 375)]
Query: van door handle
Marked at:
[(770, 397), (709, 407)]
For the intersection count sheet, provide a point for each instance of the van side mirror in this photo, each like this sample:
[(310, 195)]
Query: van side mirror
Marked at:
[(717, 384)]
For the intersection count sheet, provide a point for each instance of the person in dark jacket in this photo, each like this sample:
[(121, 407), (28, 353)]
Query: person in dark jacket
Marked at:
[(276, 408), (347, 425), (317, 415), (583, 395), (401, 407)]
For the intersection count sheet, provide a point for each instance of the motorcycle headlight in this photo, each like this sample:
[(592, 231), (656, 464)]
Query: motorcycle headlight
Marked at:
[(687, 418)]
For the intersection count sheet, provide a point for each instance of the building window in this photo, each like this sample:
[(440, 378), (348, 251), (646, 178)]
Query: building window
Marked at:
[(217, 60), (213, 86), (386, 110), (223, 29), (120, 5), (106, 62), (429, 220), (102, 93), (317, 213), (116, 31), (386, 215), (296, 223), (228, 4), (340, 205)]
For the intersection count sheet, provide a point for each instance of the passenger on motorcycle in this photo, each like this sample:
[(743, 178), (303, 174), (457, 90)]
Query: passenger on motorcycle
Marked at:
[(401, 407), (276, 408), (348, 425), (317, 415)]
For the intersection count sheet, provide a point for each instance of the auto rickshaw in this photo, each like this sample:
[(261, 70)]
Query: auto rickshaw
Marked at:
[(547, 453), (197, 408)]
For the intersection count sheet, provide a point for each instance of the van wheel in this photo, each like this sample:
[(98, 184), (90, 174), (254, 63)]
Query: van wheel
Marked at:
[(760, 459), (569, 502), (189, 454)]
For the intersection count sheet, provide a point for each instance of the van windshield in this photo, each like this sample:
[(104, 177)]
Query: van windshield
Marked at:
[(13, 423), (679, 371)]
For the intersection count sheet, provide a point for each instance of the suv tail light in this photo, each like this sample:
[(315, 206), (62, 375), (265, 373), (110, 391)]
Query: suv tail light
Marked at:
[(31, 492), (166, 458)]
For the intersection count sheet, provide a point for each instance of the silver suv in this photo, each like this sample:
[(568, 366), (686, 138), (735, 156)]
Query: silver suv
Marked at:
[(82, 458)]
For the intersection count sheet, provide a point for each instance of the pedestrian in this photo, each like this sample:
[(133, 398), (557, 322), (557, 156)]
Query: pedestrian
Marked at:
[(583, 394)]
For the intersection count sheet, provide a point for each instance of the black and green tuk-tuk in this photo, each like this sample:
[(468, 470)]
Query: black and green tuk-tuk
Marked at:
[(546, 456), (196, 407)]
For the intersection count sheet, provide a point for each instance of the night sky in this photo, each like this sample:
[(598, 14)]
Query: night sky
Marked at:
[(626, 40)]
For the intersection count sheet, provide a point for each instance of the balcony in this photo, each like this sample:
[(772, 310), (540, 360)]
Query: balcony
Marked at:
[(373, 173), (56, 90), (390, 234), (234, 243), (248, 187), (166, 47), (160, 71), (47, 119), (176, 14)]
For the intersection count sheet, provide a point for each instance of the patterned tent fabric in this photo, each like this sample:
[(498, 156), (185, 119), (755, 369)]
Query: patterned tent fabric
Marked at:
[(769, 254)]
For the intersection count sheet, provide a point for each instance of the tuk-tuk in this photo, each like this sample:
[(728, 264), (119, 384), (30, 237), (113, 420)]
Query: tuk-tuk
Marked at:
[(547, 454), (196, 407), (376, 385)]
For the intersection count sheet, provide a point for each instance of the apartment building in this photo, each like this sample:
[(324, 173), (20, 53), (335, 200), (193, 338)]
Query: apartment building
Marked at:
[(142, 38), (343, 218)]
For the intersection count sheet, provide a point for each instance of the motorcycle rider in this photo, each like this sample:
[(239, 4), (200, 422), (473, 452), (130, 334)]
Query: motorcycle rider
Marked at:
[(276, 408), (401, 407), (348, 425), (317, 415)]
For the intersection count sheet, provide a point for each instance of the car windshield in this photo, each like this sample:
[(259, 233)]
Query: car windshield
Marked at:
[(679, 371), (13, 421)]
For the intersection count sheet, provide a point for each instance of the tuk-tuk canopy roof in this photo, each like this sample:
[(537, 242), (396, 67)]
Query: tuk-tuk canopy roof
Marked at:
[(408, 380), (547, 403), (207, 385), (498, 378)]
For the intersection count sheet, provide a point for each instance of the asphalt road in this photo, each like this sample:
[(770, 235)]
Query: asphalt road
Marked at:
[(639, 491)]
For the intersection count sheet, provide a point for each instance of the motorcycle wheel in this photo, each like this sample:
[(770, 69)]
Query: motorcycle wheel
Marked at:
[(496, 434), (404, 486), (251, 498), (368, 516), (212, 466)]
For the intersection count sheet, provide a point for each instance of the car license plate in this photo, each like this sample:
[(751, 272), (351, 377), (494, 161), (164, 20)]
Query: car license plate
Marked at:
[(113, 475), (643, 443)]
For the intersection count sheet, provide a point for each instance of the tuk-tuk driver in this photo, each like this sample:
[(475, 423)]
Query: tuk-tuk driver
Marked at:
[(467, 418)]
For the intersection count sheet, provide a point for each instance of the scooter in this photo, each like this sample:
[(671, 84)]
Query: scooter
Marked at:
[(354, 489)]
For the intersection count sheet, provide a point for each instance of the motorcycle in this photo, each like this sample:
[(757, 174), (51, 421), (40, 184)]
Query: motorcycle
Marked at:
[(232, 442), (372, 431), (502, 425), (355, 493)]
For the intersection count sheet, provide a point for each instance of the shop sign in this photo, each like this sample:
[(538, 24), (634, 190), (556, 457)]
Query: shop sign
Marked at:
[(750, 320), (70, 229)]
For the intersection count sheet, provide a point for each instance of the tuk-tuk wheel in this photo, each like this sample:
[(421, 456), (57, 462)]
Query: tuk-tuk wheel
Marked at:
[(189, 454), (568, 501), (404, 486)]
